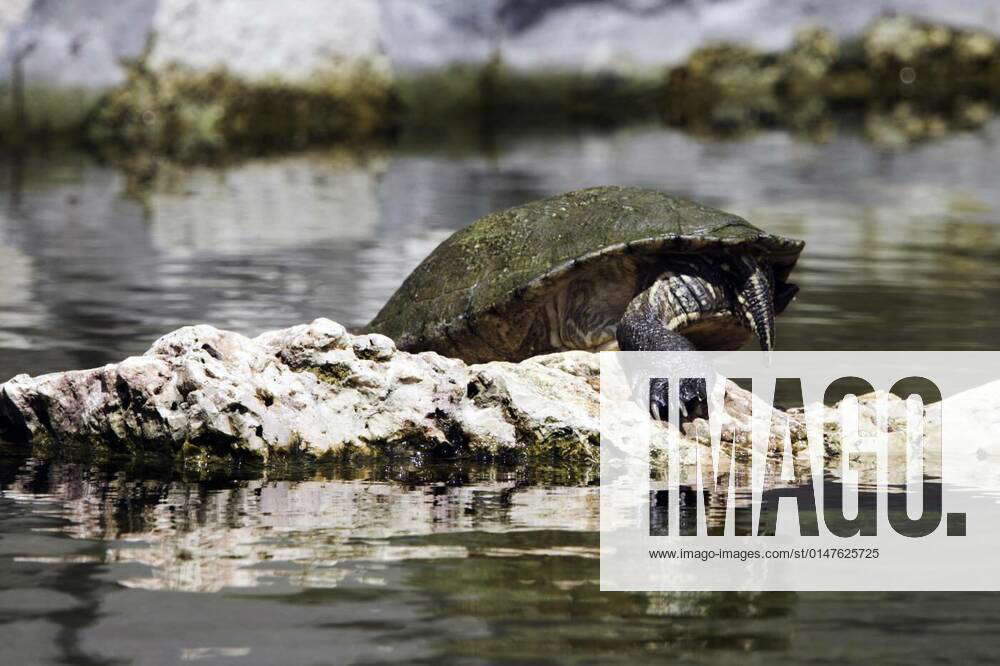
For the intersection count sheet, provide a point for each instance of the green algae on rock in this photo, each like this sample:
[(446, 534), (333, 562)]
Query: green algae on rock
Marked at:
[(938, 71), (495, 96), (189, 114), (194, 111), (172, 101)]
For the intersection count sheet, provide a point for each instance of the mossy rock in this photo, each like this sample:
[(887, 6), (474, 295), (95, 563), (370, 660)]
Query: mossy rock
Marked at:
[(189, 114)]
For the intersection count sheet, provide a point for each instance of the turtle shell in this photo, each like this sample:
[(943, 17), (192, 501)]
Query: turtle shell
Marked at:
[(478, 296)]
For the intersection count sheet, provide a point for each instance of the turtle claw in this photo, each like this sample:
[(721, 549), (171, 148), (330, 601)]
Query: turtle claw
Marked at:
[(693, 402)]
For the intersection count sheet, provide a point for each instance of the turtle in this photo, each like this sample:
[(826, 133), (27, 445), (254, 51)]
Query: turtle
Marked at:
[(602, 268)]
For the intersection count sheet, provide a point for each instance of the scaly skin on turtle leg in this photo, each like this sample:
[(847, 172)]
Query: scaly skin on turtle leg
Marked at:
[(689, 294), (755, 300), (642, 329)]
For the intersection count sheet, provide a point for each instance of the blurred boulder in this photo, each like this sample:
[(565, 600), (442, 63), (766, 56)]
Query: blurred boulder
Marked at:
[(61, 58), (904, 41), (58, 58)]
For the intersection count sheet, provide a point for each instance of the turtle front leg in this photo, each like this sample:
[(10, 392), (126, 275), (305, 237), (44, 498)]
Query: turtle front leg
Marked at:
[(644, 327)]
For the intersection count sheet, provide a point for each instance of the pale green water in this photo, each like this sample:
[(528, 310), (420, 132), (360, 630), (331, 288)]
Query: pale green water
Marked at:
[(462, 565)]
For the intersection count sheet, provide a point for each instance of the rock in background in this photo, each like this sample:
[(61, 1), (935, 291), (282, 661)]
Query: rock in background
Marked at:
[(192, 64), (629, 36), (183, 66), (57, 58)]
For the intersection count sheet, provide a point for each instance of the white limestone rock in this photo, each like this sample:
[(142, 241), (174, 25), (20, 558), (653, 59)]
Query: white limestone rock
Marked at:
[(313, 387)]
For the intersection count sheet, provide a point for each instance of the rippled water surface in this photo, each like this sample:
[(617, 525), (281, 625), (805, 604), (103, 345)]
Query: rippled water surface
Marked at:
[(903, 252), (465, 565), (903, 244)]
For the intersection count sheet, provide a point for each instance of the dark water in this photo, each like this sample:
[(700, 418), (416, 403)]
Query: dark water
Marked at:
[(475, 566), (903, 245), (100, 566)]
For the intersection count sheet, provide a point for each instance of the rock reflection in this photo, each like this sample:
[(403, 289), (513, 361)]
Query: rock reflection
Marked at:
[(201, 538), (99, 265), (478, 563), (266, 204), (21, 314)]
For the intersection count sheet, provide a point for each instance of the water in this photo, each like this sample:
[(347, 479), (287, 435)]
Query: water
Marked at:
[(407, 564), (466, 564), (902, 245)]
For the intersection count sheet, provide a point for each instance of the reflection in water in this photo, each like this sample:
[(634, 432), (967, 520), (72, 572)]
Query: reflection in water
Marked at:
[(101, 565), (901, 245), (483, 564), (902, 254), (262, 206), (20, 312), (205, 539)]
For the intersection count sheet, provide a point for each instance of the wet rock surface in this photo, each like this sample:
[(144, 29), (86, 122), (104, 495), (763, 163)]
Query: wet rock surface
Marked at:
[(205, 394), (315, 388)]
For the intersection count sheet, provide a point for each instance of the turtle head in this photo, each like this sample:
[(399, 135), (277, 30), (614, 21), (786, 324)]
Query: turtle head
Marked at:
[(755, 298)]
